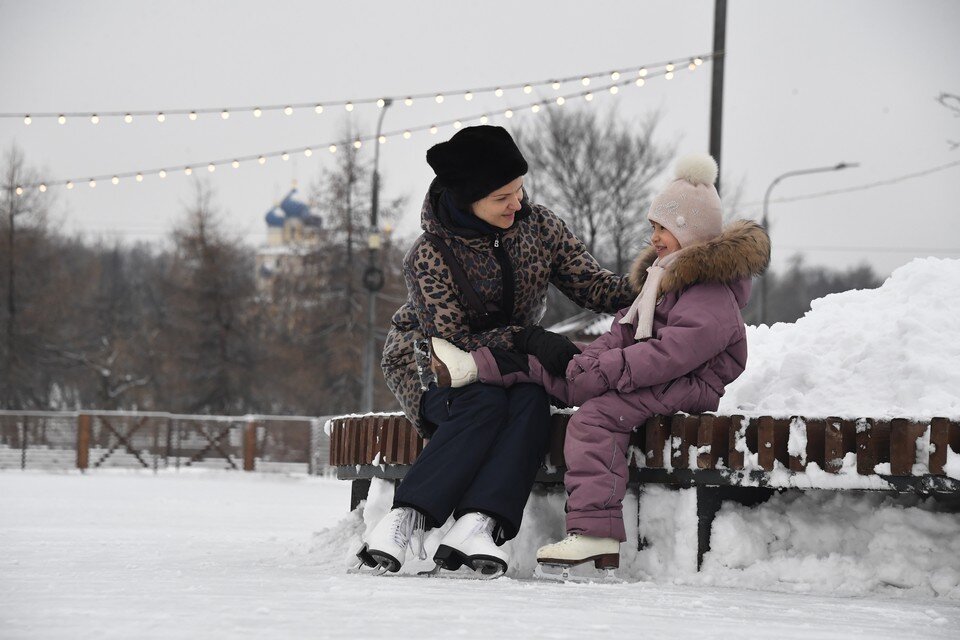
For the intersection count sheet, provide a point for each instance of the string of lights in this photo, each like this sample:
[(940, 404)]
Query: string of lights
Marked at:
[(667, 73), (161, 115)]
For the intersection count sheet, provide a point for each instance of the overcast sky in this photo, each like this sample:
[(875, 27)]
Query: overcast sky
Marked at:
[(808, 84)]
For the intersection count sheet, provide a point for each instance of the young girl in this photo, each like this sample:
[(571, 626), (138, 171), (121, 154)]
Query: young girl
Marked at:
[(674, 349)]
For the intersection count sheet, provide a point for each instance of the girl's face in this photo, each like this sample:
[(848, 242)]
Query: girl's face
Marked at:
[(663, 241), (500, 207)]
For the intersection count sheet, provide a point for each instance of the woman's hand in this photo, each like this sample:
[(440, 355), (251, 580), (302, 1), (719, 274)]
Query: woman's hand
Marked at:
[(553, 350)]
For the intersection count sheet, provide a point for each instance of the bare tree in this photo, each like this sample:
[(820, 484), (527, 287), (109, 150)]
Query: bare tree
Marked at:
[(27, 270), (597, 172), (952, 102), (206, 333)]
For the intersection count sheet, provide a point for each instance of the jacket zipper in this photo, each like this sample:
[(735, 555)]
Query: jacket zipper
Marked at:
[(506, 275)]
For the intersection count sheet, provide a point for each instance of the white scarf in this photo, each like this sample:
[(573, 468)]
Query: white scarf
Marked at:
[(641, 311)]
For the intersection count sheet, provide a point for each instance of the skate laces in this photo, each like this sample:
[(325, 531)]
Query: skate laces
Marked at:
[(409, 529)]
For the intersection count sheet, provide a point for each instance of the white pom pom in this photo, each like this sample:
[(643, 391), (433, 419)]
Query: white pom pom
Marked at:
[(697, 168)]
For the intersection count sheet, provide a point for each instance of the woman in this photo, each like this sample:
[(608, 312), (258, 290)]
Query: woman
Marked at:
[(478, 276)]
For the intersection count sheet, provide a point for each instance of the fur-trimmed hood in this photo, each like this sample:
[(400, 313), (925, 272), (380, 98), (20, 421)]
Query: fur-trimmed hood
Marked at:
[(742, 250)]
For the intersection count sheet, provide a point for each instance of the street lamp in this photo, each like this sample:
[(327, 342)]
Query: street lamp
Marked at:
[(766, 204), (373, 275)]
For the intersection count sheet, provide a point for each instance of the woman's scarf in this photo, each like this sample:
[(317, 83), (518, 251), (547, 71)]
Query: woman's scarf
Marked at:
[(641, 311)]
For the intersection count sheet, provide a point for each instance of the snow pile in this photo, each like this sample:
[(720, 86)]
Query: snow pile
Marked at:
[(886, 352)]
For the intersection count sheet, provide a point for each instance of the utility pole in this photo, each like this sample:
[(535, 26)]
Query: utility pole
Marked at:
[(765, 222), (373, 275), (716, 91)]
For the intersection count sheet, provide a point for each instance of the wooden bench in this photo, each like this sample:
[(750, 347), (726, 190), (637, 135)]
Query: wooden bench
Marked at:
[(722, 457)]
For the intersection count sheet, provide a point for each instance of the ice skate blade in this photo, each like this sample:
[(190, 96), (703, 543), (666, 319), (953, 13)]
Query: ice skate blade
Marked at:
[(487, 567), (378, 561), (554, 572)]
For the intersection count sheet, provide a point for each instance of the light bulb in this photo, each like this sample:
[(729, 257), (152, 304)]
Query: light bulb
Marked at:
[(161, 117), (284, 156), (318, 109), (498, 92), (332, 148), (535, 108), (692, 66), (382, 139), (192, 115), (484, 119), (439, 98), (433, 129), (357, 144), (468, 96), (380, 103), (42, 188), (69, 184), (128, 118), (561, 100), (94, 119), (614, 90), (235, 164), (698, 61), (257, 112), (288, 110), (27, 119), (585, 81), (406, 135), (668, 75), (188, 171), (262, 160), (408, 101), (508, 113), (556, 86), (457, 124), (211, 167), (92, 183), (139, 177), (588, 97), (225, 114), (115, 180), (348, 106), (19, 191), (640, 82), (615, 76), (527, 88), (642, 73), (308, 152), (669, 66), (162, 173), (62, 119)]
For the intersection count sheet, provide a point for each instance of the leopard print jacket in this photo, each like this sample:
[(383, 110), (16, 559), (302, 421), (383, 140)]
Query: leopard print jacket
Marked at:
[(541, 250)]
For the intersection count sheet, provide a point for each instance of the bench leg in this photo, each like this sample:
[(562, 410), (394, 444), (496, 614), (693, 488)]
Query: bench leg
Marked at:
[(709, 500), (359, 489)]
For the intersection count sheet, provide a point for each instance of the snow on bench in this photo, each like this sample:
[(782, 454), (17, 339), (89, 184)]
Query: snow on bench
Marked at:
[(739, 458)]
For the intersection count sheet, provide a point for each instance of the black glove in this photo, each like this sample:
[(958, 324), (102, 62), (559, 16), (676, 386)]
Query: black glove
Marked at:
[(553, 350)]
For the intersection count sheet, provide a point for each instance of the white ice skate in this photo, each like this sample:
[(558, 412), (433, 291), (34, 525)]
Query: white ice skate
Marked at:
[(578, 549), (470, 542), (453, 366), (386, 546)]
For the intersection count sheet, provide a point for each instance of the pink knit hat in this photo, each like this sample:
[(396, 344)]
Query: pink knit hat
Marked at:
[(689, 207)]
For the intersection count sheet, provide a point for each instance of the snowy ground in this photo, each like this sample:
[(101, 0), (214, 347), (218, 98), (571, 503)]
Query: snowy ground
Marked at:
[(215, 555)]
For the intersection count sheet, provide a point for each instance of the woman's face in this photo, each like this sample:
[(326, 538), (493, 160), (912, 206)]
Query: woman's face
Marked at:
[(500, 207)]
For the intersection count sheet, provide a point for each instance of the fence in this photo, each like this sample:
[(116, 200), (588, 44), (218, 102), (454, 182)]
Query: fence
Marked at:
[(156, 440)]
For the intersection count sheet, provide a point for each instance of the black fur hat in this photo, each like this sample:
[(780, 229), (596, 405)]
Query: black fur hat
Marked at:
[(476, 161)]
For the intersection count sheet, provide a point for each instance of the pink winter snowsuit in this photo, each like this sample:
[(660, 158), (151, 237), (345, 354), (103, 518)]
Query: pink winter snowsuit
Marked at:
[(697, 348)]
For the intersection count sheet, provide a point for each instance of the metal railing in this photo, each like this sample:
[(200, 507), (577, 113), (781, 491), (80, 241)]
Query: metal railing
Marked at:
[(60, 440)]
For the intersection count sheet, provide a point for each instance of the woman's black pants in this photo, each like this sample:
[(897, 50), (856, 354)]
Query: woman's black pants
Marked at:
[(484, 455)]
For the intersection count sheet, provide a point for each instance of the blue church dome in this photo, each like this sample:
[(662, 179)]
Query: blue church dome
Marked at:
[(274, 219), (294, 208)]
